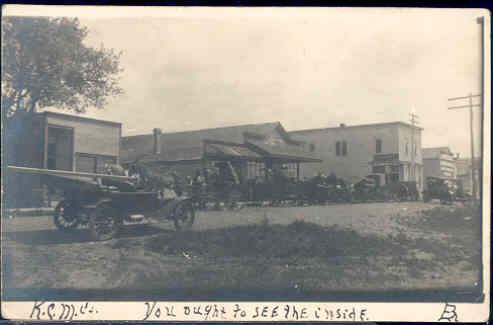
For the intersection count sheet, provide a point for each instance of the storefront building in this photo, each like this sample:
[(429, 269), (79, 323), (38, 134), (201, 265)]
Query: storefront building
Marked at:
[(244, 152), (352, 152)]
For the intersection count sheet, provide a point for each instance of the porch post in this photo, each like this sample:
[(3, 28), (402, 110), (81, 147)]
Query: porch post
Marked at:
[(297, 171), (267, 167), (45, 142)]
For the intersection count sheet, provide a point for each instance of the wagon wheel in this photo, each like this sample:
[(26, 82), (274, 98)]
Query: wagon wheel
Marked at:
[(404, 193), (234, 197), (104, 222), (65, 216), (183, 216)]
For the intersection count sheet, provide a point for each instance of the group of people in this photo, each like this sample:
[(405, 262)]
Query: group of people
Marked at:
[(217, 183)]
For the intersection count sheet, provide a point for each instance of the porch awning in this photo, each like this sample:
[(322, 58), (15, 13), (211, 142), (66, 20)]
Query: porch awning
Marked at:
[(282, 151), (227, 151)]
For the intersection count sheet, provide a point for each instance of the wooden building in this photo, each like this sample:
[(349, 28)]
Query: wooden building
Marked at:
[(246, 151), (56, 141)]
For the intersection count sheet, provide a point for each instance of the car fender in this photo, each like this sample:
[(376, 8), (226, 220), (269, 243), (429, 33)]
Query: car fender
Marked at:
[(93, 206)]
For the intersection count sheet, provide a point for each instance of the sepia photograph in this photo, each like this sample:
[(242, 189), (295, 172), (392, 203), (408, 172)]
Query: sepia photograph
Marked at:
[(257, 155)]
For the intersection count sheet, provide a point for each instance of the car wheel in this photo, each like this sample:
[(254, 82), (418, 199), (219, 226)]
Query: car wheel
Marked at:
[(183, 216), (65, 216), (104, 222)]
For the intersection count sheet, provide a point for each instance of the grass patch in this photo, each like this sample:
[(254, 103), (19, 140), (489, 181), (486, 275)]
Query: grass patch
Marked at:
[(454, 220), (297, 240), (459, 230)]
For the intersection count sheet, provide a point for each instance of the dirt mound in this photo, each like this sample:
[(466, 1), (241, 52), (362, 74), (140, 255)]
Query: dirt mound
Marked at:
[(298, 239)]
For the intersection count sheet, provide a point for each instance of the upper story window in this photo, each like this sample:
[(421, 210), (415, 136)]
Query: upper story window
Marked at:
[(407, 148), (341, 148), (378, 145)]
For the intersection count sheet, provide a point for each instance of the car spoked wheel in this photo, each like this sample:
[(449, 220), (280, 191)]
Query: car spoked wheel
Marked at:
[(65, 216), (183, 216), (103, 222)]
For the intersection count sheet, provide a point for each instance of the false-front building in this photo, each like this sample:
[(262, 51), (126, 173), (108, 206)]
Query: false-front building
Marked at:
[(352, 152)]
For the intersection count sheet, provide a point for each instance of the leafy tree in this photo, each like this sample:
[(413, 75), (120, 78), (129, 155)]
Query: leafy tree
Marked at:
[(45, 63)]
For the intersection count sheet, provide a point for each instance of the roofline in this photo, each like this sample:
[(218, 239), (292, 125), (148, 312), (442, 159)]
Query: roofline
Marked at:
[(228, 143), (296, 158), (355, 126), (46, 113), (239, 157), (205, 129)]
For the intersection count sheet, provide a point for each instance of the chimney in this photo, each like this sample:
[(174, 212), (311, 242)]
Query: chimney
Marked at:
[(157, 140)]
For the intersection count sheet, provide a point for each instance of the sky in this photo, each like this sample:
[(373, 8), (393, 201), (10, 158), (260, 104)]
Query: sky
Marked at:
[(306, 68)]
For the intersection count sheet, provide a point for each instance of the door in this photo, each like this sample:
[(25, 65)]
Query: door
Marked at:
[(60, 148)]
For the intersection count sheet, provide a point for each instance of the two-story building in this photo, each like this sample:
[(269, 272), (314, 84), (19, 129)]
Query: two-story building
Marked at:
[(353, 152), (439, 162)]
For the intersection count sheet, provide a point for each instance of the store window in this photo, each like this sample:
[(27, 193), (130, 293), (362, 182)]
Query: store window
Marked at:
[(256, 169), (289, 170)]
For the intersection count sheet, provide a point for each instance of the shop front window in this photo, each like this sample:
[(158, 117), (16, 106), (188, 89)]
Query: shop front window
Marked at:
[(256, 169)]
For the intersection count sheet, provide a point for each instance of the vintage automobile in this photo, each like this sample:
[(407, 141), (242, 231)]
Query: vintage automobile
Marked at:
[(445, 190), (365, 190), (373, 188), (104, 202)]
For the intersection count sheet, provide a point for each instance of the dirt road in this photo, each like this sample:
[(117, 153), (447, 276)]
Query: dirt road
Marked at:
[(39, 256), (362, 217)]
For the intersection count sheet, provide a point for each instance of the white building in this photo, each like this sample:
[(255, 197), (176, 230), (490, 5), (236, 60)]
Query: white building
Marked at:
[(439, 162), (353, 152)]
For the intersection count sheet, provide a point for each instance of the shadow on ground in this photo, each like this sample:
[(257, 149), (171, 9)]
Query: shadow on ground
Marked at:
[(55, 236)]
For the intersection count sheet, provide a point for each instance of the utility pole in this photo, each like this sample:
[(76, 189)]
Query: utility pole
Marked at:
[(414, 121), (484, 36), (470, 105)]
